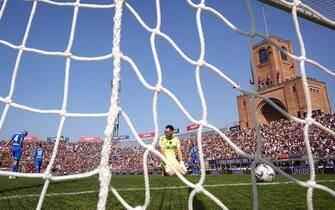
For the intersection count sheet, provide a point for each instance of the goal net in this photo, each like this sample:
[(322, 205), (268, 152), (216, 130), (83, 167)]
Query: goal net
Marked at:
[(115, 109)]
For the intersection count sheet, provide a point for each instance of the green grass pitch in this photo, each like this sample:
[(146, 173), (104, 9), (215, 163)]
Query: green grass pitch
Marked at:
[(234, 191)]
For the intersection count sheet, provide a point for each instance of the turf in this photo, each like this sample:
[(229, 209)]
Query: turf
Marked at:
[(278, 196)]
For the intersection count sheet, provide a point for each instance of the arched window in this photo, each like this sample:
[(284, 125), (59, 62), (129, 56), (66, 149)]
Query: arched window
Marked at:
[(283, 55), (263, 56)]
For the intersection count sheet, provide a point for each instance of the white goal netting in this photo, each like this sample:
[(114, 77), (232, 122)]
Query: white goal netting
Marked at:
[(115, 109)]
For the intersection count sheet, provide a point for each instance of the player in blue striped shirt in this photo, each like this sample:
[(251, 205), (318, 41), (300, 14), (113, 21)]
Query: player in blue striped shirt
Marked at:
[(39, 155), (17, 146), (195, 160)]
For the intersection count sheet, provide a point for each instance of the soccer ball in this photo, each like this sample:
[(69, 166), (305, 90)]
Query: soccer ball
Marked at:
[(264, 173)]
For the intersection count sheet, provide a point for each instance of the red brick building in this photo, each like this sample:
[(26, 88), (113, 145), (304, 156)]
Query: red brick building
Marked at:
[(278, 80)]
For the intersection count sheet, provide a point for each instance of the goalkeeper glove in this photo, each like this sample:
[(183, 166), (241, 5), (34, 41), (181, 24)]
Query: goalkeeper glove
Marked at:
[(182, 165)]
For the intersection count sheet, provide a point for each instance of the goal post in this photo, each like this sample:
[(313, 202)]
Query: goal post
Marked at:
[(311, 10)]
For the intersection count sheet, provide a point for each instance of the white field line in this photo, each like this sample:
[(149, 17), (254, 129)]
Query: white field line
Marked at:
[(142, 189)]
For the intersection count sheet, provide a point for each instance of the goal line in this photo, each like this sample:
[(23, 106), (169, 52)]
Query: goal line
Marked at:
[(151, 189)]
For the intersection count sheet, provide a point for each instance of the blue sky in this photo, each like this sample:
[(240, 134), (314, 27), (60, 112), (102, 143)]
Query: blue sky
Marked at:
[(40, 78)]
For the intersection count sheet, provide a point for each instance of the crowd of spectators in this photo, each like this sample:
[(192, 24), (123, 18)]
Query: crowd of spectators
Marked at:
[(280, 138)]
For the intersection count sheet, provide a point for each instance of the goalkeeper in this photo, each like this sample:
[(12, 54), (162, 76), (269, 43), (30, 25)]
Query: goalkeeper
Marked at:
[(169, 144)]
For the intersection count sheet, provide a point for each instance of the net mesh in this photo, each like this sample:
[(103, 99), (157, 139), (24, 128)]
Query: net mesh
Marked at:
[(326, 7), (103, 170)]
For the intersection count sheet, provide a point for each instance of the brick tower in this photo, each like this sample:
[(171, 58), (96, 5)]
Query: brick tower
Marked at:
[(279, 81)]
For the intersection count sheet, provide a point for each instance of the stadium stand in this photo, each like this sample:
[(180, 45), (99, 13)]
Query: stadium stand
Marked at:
[(282, 140)]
